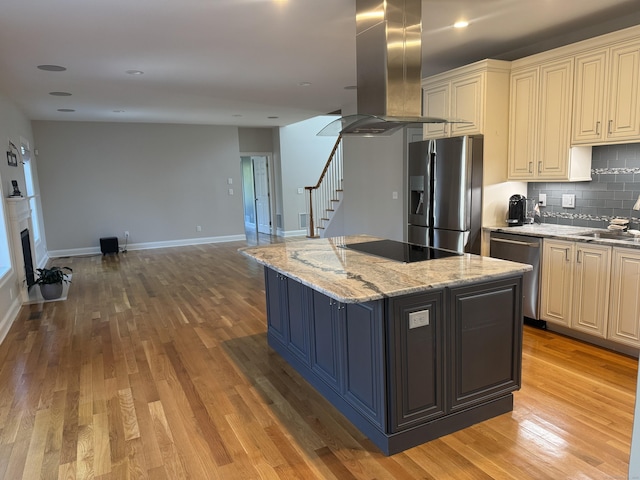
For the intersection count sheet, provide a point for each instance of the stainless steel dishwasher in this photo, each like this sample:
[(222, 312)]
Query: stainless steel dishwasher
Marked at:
[(522, 249)]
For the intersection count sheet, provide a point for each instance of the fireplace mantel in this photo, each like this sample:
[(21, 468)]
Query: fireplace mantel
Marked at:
[(19, 213)]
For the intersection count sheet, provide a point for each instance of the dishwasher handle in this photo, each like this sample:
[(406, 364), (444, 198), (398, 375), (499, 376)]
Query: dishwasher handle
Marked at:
[(517, 242)]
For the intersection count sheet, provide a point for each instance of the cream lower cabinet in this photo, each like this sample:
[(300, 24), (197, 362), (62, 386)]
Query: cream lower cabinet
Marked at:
[(557, 280), (624, 307), (575, 285), (591, 275)]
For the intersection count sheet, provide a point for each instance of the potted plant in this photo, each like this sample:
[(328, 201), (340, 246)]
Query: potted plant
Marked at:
[(50, 281)]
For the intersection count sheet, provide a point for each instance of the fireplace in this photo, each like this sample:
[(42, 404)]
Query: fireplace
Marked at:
[(25, 239), (20, 228)]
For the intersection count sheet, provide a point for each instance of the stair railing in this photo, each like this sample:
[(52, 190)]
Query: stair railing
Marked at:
[(324, 195)]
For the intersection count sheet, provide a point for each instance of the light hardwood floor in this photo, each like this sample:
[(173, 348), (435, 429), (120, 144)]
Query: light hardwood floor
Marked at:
[(157, 366)]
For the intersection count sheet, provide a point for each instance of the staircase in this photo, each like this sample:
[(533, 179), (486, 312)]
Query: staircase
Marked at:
[(323, 198)]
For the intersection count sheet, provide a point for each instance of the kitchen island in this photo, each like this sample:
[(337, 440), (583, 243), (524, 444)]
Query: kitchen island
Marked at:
[(407, 351)]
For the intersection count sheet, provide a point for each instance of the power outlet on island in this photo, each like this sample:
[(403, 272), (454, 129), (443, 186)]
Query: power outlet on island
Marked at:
[(418, 319)]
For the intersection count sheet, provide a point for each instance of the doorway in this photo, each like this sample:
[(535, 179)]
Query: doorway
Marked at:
[(256, 194)]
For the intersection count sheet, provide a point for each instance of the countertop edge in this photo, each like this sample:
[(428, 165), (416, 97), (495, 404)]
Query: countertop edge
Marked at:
[(571, 233), (513, 270)]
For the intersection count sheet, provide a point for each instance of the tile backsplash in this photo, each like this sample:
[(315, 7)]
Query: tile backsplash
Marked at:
[(614, 189)]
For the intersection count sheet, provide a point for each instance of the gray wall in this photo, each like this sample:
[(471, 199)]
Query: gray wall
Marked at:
[(612, 192), (374, 169), (157, 181), (255, 140)]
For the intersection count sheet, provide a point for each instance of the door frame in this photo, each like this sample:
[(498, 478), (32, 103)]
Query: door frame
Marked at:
[(271, 181)]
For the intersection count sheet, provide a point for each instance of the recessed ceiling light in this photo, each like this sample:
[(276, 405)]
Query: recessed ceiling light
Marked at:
[(272, 117), (52, 68), (66, 110), (118, 111), (351, 87), (60, 94), (305, 84), (237, 115), (461, 24), (134, 72)]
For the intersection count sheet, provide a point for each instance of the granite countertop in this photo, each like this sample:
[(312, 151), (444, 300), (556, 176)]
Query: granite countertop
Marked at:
[(567, 232), (353, 277)]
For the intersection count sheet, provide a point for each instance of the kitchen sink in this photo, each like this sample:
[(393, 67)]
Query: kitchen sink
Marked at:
[(612, 235)]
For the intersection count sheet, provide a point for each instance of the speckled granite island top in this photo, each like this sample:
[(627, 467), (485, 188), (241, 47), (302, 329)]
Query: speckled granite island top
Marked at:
[(352, 277)]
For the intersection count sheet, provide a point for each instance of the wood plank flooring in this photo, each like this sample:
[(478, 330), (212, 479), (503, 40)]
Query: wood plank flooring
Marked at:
[(157, 367)]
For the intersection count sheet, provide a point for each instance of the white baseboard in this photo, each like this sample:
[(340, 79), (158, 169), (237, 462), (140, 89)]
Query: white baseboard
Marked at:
[(294, 233), (9, 317), (74, 252)]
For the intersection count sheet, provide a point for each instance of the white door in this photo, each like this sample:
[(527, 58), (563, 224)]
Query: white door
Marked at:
[(261, 184)]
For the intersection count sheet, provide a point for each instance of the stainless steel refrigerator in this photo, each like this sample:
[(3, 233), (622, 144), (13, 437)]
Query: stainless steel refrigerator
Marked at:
[(445, 193)]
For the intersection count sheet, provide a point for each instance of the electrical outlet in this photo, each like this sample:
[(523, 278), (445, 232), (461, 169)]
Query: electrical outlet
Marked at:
[(198, 228), (231, 191), (300, 190), (394, 195), (542, 199), (418, 319), (126, 234)]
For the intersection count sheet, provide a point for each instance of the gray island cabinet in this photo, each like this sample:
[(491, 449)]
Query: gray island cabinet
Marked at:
[(407, 352)]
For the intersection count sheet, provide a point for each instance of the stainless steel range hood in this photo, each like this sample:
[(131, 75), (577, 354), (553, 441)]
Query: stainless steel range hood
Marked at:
[(389, 69)]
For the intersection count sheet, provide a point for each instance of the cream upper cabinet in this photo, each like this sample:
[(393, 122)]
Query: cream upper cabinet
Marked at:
[(540, 125), (471, 93), (624, 306), (557, 280), (522, 128), (607, 95), (459, 98), (436, 104), (591, 275)]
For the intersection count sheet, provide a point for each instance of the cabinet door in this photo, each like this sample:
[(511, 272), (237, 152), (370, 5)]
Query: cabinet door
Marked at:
[(591, 289), (298, 313), (554, 121), (624, 307), (589, 97), (623, 121), (276, 292), (363, 365), (523, 109), (557, 280), (436, 104), (485, 342), (416, 350), (326, 335), (466, 104)]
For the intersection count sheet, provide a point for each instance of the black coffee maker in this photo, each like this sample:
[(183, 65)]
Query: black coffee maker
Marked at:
[(517, 208)]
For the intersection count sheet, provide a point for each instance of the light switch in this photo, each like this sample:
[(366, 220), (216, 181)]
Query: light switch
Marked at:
[(394, 195), (300, 190), (229, 181), (419, 319), (568, 200)]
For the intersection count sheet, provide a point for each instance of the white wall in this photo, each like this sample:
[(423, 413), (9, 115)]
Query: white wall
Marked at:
[(13, 125), (156, 181), (302, 157)]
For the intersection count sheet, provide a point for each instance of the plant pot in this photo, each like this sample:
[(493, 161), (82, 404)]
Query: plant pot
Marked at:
[(51, 291)]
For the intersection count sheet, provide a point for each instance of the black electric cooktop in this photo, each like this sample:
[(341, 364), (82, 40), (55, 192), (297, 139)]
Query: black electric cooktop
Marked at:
[(400, 251)]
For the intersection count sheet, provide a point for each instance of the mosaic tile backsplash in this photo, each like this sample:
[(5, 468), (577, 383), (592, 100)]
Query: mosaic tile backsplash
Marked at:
[(614, 189)]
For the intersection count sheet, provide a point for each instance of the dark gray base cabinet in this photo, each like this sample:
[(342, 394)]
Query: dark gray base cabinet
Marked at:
[(400, 382)]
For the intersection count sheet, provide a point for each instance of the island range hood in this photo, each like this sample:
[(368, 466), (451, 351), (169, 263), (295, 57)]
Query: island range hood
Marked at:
[(389, 70)]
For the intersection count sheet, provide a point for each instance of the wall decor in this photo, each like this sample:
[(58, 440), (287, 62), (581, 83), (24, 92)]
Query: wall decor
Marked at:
[(12, 159)]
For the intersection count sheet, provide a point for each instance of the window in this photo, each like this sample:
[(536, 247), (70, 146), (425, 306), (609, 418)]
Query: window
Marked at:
[(29, 184)]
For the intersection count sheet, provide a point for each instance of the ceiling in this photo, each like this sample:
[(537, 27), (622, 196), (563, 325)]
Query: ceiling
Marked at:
[(248, 62)]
